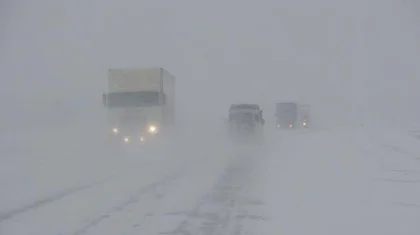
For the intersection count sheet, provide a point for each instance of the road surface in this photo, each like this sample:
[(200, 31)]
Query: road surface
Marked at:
[(338, 181)]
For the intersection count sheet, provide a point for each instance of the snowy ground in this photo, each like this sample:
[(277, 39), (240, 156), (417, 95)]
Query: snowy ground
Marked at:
[(331, 181)]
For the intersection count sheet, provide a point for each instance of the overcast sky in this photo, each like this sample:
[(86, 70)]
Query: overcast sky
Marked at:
[(343, 56)]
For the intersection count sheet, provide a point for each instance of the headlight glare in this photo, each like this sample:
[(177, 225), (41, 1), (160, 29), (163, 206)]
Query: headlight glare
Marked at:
[(152, 129)]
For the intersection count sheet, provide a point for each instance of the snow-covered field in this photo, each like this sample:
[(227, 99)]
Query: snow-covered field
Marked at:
[(342, 182), (330, 181)]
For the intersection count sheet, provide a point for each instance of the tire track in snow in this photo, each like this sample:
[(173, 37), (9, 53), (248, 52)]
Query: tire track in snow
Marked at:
[(409, 205), (402, 151), (47, 200), (151, 212), (219, 211), (133, 199)]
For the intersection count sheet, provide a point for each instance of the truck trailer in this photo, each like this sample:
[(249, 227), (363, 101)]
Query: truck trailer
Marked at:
[(140, 104), (286, 115)]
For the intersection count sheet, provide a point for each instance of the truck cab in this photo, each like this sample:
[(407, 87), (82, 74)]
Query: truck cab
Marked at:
[(304, 115), (245, 119)]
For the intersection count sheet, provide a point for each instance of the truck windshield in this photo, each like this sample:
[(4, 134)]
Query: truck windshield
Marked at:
[(133, 99)]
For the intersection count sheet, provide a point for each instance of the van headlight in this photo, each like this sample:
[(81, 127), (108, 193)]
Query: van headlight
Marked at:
[(152, 129)]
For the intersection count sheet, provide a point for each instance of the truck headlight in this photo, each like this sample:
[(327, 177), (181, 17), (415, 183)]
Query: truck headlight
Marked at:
[(152, 129), (115, 130)]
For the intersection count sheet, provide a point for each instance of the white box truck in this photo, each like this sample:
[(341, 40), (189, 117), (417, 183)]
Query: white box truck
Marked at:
[(140, 103)]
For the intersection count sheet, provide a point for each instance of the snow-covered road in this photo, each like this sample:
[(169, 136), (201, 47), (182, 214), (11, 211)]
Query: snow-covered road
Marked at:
[(338, 181)]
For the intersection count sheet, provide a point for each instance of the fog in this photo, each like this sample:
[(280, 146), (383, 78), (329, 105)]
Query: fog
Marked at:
[(353, 60)]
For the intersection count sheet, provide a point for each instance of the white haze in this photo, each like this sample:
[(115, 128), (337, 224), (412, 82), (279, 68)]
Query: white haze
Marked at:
[(353, 61), (356, 62)]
